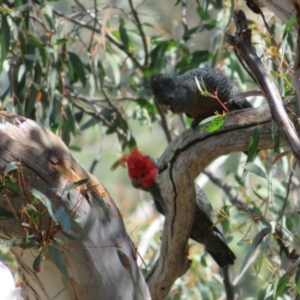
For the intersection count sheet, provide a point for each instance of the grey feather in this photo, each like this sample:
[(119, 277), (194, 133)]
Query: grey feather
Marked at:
[(203, 229)]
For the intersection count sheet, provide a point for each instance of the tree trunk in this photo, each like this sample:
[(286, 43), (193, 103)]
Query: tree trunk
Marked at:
[(101, 263)]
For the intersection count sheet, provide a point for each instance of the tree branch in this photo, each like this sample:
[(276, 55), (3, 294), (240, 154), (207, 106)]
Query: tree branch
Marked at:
[(92, 257), (186, 157), (141, 31), (242, 44)]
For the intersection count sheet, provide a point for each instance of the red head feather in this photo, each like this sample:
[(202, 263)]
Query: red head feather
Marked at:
[(141, 169)]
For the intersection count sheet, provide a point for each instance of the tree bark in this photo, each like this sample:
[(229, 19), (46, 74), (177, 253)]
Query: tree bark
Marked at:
[(102, 263)]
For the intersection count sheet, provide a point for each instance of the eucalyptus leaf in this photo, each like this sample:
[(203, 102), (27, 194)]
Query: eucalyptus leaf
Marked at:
[(58, 261), (44, 200)]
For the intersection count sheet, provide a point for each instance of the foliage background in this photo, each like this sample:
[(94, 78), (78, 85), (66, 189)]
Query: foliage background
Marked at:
[(84, 73)]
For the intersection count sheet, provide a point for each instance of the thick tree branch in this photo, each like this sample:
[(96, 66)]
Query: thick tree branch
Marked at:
[(282, 9), (181, 163), (98, 262), (243, 47)]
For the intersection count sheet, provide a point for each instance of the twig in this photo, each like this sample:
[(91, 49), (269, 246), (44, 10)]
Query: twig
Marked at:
[(242, 44), (184, 21), (97, 114), (141, 31), (239, 204), (109, 36), (164, 123), (99, 155), (95, 24)]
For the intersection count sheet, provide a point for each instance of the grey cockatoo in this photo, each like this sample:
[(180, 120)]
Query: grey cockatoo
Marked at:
[(181, 94)]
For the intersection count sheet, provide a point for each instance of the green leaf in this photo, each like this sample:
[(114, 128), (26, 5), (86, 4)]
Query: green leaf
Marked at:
[(263, 249), (31, 244), (253, 145), (282, 283), (13, 187), (44, 200), (75, 148), (10, 167), (103, 205), (75, 184), (21, 72), (241, 218), (37, 263), (258, 195), (215, 123), (57, 259), (71, 235), (91, 122), (276, 136), (123, 34), (33, 57), (203, 14), (11, 243), (63, 218), (32, 211), (124, 260), (78, 67), (61, 42), (255, 169), (288, 25), (4, 39), (256, 242), (297, 281)]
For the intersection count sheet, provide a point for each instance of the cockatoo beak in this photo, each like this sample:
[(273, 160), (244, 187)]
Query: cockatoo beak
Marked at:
[(136, 183), (164, 108)]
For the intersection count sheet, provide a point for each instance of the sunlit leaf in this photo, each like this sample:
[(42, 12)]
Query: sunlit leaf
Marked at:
[(22, 70), (44, 200), (76, 184), (10, 167), (215, 123), (255, 169)]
